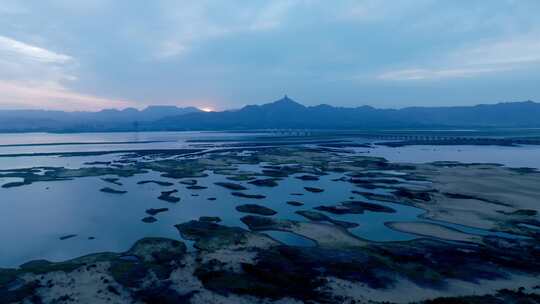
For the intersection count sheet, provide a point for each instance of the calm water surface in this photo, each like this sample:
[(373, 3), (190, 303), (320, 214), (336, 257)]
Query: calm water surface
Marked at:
[(34, 217)]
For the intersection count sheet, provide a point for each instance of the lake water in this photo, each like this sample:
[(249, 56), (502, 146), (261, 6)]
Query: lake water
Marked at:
[(523, 156), (77, 142), (34, 217)]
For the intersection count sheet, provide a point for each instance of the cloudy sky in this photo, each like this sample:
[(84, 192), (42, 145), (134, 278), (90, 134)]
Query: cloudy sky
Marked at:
[(94, 54)]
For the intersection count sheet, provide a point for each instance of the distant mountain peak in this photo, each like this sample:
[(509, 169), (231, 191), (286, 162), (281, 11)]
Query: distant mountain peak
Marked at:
[(285, 102), (285, 99)]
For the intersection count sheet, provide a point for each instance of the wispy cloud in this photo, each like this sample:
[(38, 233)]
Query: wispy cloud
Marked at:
[(35, 77), (13, 48), (188, 24), (482, 58), (514, 50), (21, 61), (51, 96), (270, 16), (432, 74)]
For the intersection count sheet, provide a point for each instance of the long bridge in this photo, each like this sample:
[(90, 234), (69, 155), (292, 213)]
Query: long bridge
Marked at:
[(400, 136)]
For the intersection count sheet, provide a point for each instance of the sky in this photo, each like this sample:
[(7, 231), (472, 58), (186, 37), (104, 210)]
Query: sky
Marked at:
[(95, 54)]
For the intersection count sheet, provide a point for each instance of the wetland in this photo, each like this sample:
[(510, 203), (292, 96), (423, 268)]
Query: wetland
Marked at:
[(351, 221)]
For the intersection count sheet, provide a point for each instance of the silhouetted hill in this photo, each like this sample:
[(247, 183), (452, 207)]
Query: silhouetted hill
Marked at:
[(104, 120), (286, 113), (281, 114)]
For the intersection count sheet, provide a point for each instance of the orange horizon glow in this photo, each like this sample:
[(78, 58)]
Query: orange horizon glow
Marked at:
[(18, 95), (207, 109)]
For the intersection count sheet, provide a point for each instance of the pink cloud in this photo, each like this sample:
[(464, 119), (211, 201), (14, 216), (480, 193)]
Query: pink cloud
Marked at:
[(51, 96)]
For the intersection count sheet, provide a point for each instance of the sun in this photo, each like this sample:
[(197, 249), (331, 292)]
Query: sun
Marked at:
[(207, 109)]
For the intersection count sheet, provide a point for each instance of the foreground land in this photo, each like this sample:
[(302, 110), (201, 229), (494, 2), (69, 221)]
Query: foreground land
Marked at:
[(445, 264)]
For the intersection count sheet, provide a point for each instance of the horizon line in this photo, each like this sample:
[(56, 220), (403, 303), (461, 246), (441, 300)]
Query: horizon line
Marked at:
[(211, 109)]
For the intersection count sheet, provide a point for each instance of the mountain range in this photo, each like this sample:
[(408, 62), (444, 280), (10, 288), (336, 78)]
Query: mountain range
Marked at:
[(105, 120), (284, 113)]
